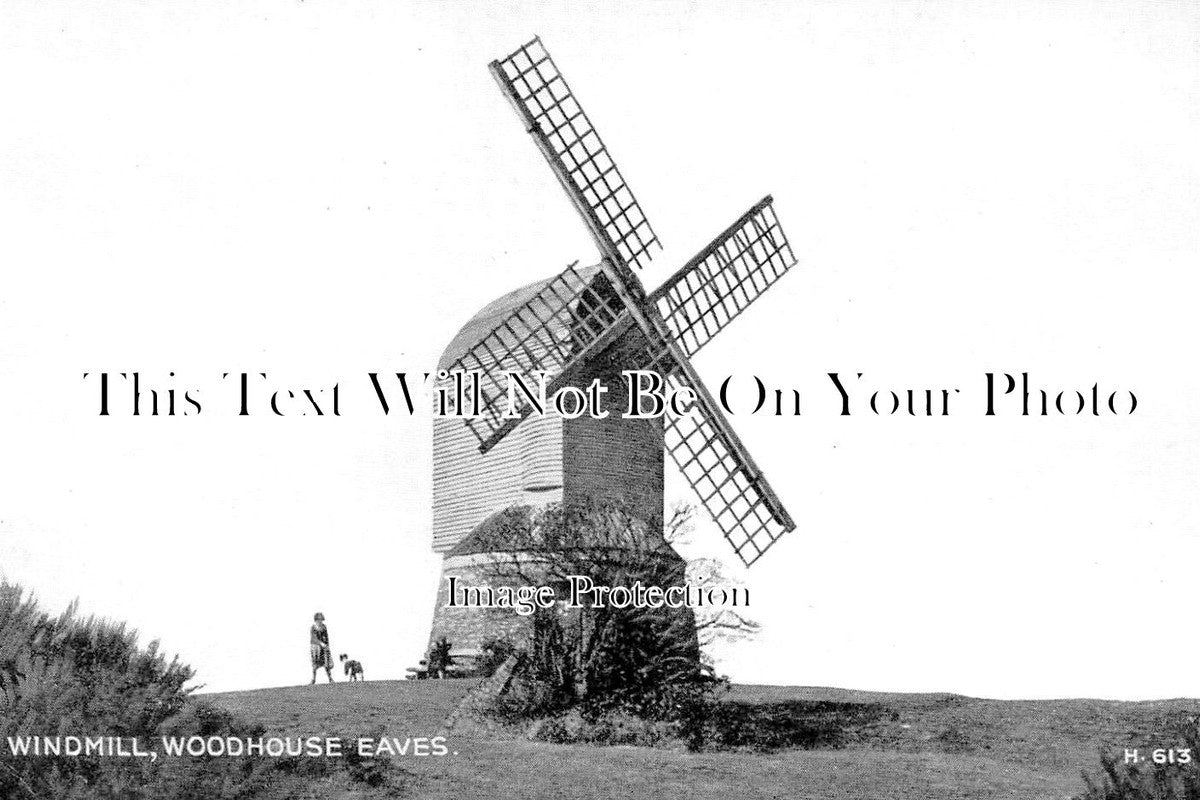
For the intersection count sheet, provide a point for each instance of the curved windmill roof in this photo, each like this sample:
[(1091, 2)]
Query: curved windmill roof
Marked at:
[(491, 315)]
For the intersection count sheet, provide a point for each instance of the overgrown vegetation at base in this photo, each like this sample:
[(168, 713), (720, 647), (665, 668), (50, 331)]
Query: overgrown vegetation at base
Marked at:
[(624, 674), (675, 714), (1148, 780), (598, 659), (69, 676)]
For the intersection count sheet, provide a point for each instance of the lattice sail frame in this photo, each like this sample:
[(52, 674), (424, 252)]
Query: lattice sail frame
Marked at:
[(715, 463), (533, 82), (554, 331), (723, 279), (735, 494)]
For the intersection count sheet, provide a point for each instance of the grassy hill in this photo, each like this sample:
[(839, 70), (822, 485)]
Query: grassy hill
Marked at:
[(909, 746)]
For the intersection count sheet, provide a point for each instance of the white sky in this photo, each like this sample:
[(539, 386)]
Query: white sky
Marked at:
[(321, 190)]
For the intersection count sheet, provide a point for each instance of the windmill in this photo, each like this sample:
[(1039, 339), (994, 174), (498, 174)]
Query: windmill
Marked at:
[(584, 322), (584, 317)]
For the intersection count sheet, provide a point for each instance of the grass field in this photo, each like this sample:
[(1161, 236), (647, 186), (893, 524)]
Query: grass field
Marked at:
[(936, 746)]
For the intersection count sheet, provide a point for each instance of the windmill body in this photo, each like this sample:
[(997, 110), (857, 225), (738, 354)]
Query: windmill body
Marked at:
[(547, 459), (589, 323)]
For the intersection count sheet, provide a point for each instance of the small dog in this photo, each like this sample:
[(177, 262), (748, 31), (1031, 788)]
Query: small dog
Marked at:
[(352, 668)]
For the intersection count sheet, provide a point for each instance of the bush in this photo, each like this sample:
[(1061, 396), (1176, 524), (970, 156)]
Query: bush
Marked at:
[(438, 658), (67, 676), (600, 656), (1147, 780)]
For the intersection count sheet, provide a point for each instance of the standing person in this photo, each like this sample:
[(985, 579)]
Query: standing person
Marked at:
[(318, 645)]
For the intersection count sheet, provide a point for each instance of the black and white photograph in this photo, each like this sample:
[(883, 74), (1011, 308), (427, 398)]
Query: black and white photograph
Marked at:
[(599, 400)]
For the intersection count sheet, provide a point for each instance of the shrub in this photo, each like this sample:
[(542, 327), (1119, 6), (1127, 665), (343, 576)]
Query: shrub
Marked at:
[(603, 663), (1147, 780), (67, 676), (438, 659), (598, 657)]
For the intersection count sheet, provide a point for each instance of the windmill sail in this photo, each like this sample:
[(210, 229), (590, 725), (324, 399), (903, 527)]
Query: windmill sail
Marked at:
[(553, 116), (572, 317), (715, 462), (720, 470), (724, 278)]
